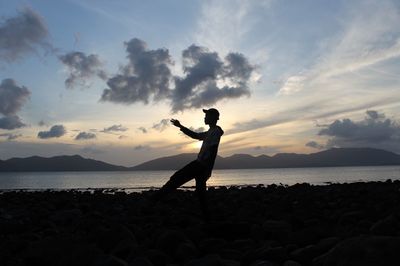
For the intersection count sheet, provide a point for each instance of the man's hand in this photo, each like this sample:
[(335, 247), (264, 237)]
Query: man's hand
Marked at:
[(176, 123)]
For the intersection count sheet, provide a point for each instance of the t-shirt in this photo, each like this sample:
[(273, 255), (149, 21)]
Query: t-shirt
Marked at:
[(207, 153), (210, 138)]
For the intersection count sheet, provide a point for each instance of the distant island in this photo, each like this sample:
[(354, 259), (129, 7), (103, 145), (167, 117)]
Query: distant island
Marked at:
[(329, 158)]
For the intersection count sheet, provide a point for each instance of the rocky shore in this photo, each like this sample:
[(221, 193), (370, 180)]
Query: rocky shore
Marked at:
[(337, 224)]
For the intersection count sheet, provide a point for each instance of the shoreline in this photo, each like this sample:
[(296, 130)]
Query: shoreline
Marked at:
[(129, 190), (277, 225)]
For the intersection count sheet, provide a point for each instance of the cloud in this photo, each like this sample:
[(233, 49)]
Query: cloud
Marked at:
[(373, 131), (81, 68), (11, 122), (114, 128), (141, 147), (54, 132), (315, 145), (369, 36), (209, 79), (146, 77), (310, 110), (85, 135), (162, 125), (91, 150), (199, 129), (22, 34), (12, 97), (374, 115), (143, 130), (10, 136), (42, 123)]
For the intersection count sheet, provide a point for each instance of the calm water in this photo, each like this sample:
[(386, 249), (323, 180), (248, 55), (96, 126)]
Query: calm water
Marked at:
[(140, 180)]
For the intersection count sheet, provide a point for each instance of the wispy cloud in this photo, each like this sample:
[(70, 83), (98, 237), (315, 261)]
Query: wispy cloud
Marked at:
[(114, 128), (311, 111), (223, 24), (370, 35)]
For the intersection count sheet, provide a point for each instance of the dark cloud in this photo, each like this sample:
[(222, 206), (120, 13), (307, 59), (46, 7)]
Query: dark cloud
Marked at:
[(374, 115), (122, 137), (10, 136), (162, 125), (208, 78), (11, 122), (42, 123), (141, 147), (373, 131), (22, 34), (81, 68), (204, 71), (315, 145), (54, 132), (92, 150), (12, 97), (258, 148), (146, 77), (143, 130), (115, 128), (85, 135)]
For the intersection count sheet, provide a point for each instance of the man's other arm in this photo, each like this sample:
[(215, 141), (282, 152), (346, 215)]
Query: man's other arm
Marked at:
[(192, 134), (188, 132)]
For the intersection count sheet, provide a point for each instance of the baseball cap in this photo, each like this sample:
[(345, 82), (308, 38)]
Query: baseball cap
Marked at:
[(212, 111)]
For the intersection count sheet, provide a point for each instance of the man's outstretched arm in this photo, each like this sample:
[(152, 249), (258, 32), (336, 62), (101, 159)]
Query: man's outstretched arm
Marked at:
[(186, 131)]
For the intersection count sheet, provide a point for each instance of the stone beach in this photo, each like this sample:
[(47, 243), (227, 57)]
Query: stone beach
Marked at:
[(336, 224)]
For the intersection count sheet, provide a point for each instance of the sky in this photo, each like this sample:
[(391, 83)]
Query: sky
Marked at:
[(102, 79)]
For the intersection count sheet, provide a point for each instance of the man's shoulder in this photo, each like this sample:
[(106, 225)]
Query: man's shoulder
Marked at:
[(217, 130)]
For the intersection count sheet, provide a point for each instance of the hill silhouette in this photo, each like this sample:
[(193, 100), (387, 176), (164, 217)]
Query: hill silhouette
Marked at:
[(328, 158), (57, 163)]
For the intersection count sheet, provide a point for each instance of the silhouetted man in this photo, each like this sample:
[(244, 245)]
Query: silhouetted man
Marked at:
[(201, 168)]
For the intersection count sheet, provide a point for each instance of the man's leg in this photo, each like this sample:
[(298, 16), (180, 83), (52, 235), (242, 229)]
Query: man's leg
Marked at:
[(201, 188), (179, 178)]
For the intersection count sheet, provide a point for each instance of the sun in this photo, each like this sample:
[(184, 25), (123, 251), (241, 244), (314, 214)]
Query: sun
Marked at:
[(196, 145)]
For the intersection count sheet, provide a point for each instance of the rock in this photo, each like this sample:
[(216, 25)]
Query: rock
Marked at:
[(263, 263), (109, 260), (243, 244), (326, 244), (170, 240), (230, 254), (387, 227), (306, 254), (66, 216), (230, 230), (209, 260), (124, 248), (157, 257), (212, 245), (108, 238), (186, 252), (279, 230), (364, 250), (291, 263), (265, 253), (351, 218), (141, 262)]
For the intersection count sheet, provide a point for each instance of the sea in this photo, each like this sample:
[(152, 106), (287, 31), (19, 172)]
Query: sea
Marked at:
[(137, 181)]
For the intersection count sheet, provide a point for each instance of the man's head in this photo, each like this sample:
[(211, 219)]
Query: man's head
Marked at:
[(212, 116)]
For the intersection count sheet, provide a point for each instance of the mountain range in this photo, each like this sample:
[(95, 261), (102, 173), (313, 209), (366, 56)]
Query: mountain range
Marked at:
[(328, 158)]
